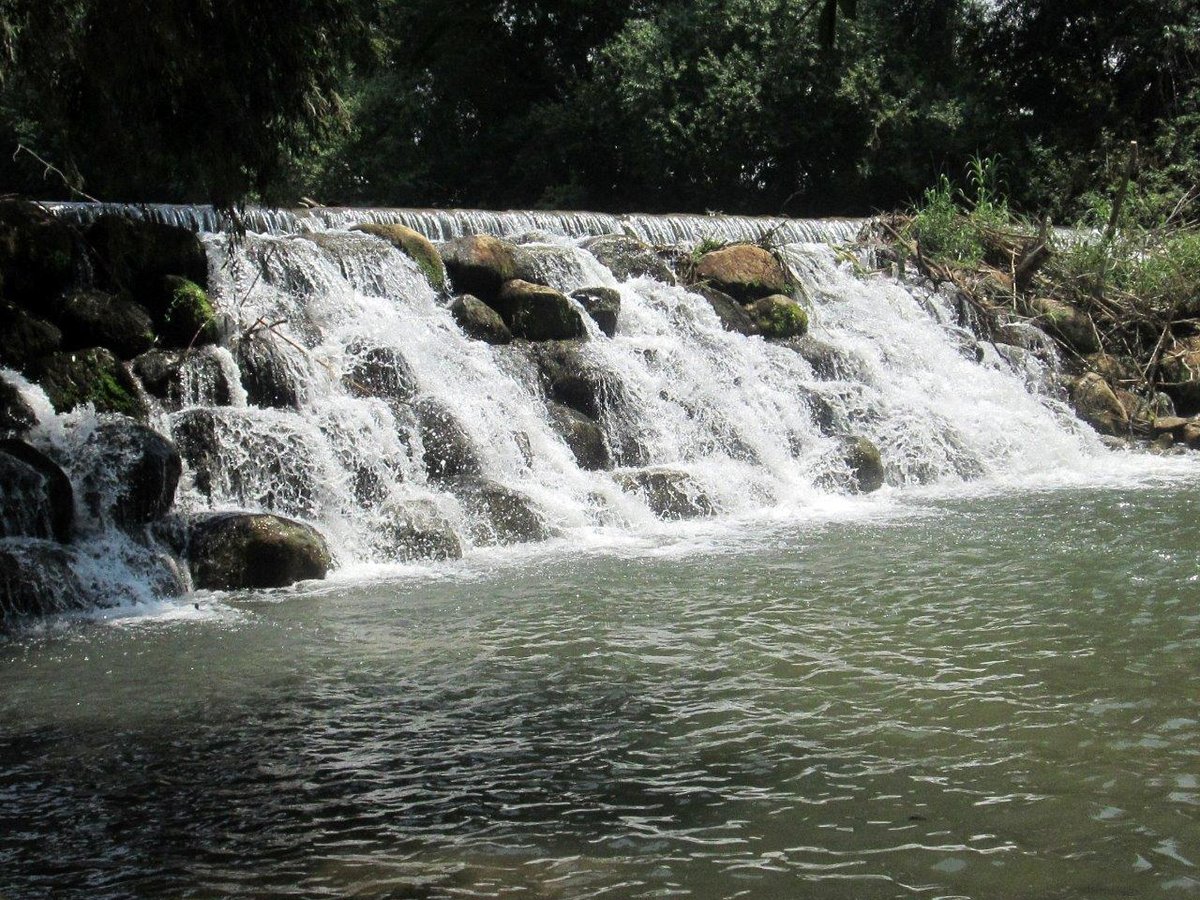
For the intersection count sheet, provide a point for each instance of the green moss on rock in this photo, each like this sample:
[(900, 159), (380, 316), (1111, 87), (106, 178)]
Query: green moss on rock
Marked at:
[(416, 245), (89, 376), (779, 317), (189, 317)]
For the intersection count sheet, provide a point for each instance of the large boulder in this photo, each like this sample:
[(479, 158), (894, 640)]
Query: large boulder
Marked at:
[(479, 321), (36, 579), (273, 374), (538, 313), (669, 493), (479, 264), (36, 497), (1070, 325), (379, 371), (449, 452), (16, 415), (778, 316), (25, 338), (417, 530), (569, 379), (179, 378), (602, 304), (129, 473), (744, 271), (500, 515), (94, 318), (40, 255), (1097, 404), (136, 256), (583, 435), (415, 245), (233, 551), (89, 376), (551, 264), (732, 314), (627, 257), (865, 464)]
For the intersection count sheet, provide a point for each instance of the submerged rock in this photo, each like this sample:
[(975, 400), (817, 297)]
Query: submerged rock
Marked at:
[(178, 378), (538, 313), (829, 363), (36, 497), (669, 493), (1096, 404), (414, 244), (479, 321), (602, 304), (744, 271), (732, 314), (478, 264), (501, 515), (449, 452), (569, 378), (418, 531), (379, 372), (627, 257), (865, 463), (233, 551), (89, 376), (778, 316), (583, 435), (129, 473), (36, 579)]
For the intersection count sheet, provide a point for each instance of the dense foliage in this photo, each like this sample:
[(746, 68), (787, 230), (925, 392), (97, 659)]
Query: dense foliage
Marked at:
[(732, 105)]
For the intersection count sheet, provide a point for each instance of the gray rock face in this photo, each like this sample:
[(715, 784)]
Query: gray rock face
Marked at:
[(568, 378), (419, 531), (828, 362), (731, 313), (502, 515), (130, 473), (379, 372), (479, 321), (669, 493), (583, 435), (449, 452), (627, 257), (234, 551), (36, 497), (602, 304), (36, 579)]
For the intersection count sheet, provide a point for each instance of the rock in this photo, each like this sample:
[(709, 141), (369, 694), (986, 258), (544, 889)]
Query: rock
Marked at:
[(1180, 375), (479, 321), (627, 257), (40, 255), (1190, 436), (583, 435), (36, 579), (1172, 425), (136, 256), (548, 264), (602, 304), (1138, 410), (829, 363), (1113, 369), (271, 373), (89, 376), (1070, 325), (479, 264), (179, 378), (449, 452), (414, 244), (731, 313), (379, 372), (779, 317), (188, 318), (234, 551), (1026, 336), (24, 338), (744, 271), (418, 531), (865, 464), (36, 497), (502, 515), (669, 493), (538, 313), (16, 416), (94, 318), (1096, 404), (130, 473), (234, 460), (569, 379)]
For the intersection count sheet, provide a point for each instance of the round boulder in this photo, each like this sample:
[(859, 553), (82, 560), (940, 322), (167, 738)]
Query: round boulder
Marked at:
[(583, 435), (865, 464), (538, 313), (36, 497), (778, 316), (379, 372), (449, 452), (744, 271), (479, 264), (501, 515), (1097, 404), (233, 551), (479, 321), (36, 579), (94, 318), (602, 304), (130, 473), (415, 245), (89, 376), (627, 257), (669, 493)]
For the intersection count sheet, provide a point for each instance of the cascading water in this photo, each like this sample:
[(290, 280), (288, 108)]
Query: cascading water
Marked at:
[(740, 424)]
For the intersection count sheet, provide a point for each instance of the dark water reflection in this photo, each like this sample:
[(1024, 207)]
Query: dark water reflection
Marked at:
[(989, 698)]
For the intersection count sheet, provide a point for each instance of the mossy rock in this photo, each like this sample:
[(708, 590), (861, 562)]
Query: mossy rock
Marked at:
[(670, 494), (40, 255), (539, 313), (135, 256), (731, 313), (1096, 403), (89, 376), (255, 550), (415, 245), (479, 264), (602, 304), (479, 321), (778, 316), (188, 318), (865, 463), (627, 257)]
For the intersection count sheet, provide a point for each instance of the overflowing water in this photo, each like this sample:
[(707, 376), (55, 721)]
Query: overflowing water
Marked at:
[(977, 682)]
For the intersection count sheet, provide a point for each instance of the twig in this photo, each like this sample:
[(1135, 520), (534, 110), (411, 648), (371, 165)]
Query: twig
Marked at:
[(50, 167)]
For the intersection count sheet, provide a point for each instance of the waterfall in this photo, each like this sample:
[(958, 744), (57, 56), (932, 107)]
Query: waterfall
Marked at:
[(278, 420)]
